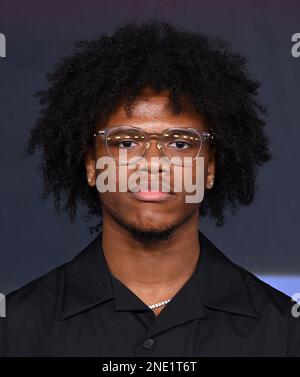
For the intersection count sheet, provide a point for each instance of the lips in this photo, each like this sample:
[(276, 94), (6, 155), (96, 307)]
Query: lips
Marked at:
[(155, 195), (152, 196)]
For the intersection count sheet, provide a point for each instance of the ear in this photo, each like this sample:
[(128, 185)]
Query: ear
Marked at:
[(211, 169), (90, 166)]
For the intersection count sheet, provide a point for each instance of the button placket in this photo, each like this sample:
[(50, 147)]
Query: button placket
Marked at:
[(148, 343)]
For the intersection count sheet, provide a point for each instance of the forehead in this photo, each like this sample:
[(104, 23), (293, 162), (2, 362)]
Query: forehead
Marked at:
[(151, 111)]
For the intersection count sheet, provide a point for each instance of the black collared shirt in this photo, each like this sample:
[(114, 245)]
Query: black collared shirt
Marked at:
[(81, 309)]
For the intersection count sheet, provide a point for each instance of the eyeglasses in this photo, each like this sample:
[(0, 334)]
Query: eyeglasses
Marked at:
[(172, 142)]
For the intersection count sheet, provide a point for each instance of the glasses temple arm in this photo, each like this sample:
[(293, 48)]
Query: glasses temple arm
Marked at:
[(99, 133)]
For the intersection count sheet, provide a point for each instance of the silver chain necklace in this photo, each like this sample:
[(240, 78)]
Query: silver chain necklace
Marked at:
[(162, 303)]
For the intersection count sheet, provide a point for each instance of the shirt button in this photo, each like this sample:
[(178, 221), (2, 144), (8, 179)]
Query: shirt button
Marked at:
[(148, 344)]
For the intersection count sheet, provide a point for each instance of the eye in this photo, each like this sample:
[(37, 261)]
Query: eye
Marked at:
[(179, 144), (127, 144)]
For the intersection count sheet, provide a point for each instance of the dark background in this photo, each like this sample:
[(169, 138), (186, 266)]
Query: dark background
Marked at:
[(263, 237)]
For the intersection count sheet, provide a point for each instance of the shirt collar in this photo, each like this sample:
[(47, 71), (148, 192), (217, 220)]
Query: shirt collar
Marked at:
[(220, 284), (223, 284), (186, 306), (87, 280)]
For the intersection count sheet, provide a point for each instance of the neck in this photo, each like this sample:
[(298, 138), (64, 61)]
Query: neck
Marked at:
[(163, 266)]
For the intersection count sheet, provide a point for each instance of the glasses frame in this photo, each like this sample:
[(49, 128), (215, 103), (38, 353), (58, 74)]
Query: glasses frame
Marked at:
[(204, 136)]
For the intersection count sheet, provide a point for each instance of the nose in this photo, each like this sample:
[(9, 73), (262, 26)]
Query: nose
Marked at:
[(151, 149), (154, 149)]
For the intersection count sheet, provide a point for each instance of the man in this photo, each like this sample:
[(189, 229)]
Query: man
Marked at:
[(150, 284)]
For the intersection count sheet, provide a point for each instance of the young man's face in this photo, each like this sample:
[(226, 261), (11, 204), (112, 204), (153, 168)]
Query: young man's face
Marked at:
[(162, 211)]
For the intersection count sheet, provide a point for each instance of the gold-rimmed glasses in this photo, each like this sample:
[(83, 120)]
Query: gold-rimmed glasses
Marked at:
[(173, 142)]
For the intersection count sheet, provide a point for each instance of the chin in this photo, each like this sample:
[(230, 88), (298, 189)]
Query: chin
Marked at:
[(149, 234), (152, 220), (152, 225)]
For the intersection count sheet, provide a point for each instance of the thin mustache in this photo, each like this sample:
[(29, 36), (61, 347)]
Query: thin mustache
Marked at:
[(164, 185)]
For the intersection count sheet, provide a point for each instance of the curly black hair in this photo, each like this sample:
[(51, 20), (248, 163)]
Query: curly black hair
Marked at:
[(87, 86)]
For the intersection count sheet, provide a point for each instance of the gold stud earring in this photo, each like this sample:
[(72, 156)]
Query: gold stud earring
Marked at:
[(89, 180)]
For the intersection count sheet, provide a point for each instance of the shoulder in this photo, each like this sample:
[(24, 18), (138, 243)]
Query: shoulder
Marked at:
[(278, 316), (276, 307), (234, 281), (33, 312), (45, 293), (263, 293), (38, 292), (30, 311)]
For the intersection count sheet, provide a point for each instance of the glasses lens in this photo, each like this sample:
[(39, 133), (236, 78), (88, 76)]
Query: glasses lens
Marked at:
[(127, 139), (181, 143)]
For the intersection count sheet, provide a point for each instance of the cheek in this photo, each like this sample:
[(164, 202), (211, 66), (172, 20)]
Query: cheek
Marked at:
[(194, 177), (117, 203)]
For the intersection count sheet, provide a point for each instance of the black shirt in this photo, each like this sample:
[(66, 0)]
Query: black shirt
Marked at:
[(81, 309)]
